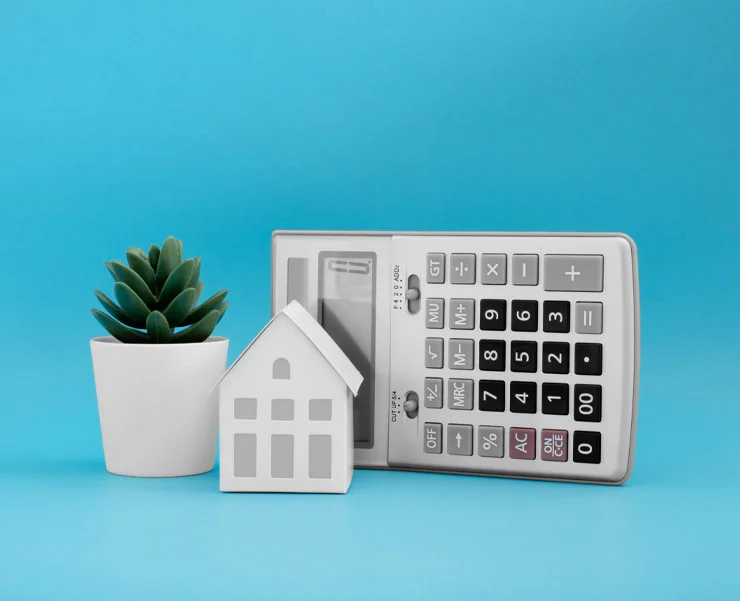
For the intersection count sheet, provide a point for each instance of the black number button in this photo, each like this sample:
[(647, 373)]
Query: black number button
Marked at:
[(523, 397), (586, 447), (492, 314), (556, 317), (587, 406), (588, 359), (524, 356), (491, 395), (555, 399), (555, 357), (492, 355), (524, 316)]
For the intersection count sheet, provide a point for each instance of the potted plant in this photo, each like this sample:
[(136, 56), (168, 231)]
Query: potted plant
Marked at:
[(154, 376)]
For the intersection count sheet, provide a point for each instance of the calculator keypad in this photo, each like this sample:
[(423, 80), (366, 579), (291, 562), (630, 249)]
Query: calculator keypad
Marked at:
[(518, 338)]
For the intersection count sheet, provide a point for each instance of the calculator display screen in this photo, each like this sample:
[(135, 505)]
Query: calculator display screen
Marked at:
[(347, 313)]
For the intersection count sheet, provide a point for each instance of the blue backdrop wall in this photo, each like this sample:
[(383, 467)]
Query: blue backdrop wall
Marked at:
[(121, 123)]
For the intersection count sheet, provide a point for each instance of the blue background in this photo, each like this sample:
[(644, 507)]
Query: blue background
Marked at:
[(121, 123)]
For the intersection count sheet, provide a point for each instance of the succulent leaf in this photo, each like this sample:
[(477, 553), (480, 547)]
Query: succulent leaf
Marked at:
[(177, 281), (198, 291), (130, 302), (208, 306), (196, 273), (138, 261), (153, 256), (180, 307), (118, 330), (222, 310), (179, 251), (199, 331), (168, 260), (117, 312), (124, 274), (109, 267), (157, 327)]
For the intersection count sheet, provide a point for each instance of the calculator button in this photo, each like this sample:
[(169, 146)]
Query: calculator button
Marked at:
[(433, 393), (522, 443), (493, 314), (524, 356), (459, 439), (460, 394), (574, 273), (436, 268), (555, 357), (524, 315), (556, 317), (461, 354), (555, 399), (523, 397), (462, 269), (493, 269), (589, 317), (462, 313), (525, 270), (491, 395), (492, 355), (434, 353), (587, 403), (490, 441), (588, 359), (554, 445), (432, 438), (435, 313), (586, 447)]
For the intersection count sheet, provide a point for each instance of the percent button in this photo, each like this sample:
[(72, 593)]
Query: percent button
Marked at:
[(490, 441)]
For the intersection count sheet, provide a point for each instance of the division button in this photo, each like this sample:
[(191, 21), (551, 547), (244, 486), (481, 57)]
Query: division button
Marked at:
[(435, 319), (436, 268), (574, 273), (525, 270), (459, 439), (493, 269), (490, 441), (462, 269), (433, 392), (434, 353), (522, 442), (589, 318), (432, 438)]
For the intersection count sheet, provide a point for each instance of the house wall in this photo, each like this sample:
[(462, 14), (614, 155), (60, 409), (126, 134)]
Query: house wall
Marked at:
[(311, 377)]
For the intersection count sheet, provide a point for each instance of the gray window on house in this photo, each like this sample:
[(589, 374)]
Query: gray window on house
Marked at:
[(319, 410), (245, 408), (280, 369), (282, 410), (319, 456)]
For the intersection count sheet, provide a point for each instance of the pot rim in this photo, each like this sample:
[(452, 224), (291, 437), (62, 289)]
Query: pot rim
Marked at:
[(113, 341)]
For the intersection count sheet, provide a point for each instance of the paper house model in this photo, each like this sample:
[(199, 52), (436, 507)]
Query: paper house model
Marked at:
[(286, 411)]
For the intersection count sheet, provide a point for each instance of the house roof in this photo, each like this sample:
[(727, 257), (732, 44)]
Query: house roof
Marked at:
[(319, 338)]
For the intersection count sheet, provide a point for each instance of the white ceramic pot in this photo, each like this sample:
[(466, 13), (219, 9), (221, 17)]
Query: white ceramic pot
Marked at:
[(158, 410)]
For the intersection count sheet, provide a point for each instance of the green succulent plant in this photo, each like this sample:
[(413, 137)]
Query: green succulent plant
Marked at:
[(157, 292)]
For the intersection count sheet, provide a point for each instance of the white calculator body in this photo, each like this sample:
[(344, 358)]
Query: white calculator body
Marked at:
[(503, 354)]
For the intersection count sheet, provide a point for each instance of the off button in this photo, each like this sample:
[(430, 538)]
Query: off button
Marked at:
[(433, 438), (574, 273)]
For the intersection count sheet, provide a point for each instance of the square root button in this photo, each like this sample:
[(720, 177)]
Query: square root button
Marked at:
[(574, 273)]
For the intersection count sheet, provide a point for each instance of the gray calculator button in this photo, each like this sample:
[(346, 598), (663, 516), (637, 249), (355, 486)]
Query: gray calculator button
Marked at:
[(434, 353), (462, 313), (432, 438), (589, 318), (462, 269), (460, 394), (574, 273), (461, 354), (490, 441), (493, 269), (525, 270), (435, 313), (459, 439), (433, 393), (436, 268)]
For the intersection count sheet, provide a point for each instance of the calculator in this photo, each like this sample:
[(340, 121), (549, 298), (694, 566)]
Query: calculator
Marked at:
[(500, 354)]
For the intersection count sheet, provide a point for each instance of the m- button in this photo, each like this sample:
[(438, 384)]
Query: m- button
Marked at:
[(574, 273)]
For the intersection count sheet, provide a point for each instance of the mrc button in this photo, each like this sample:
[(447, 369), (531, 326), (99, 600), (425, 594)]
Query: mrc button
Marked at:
[(574, 273)]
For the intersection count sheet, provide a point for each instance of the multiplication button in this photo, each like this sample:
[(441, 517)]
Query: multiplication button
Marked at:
[(459, 439), (493, 269), (432, 438), (490, 441)]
